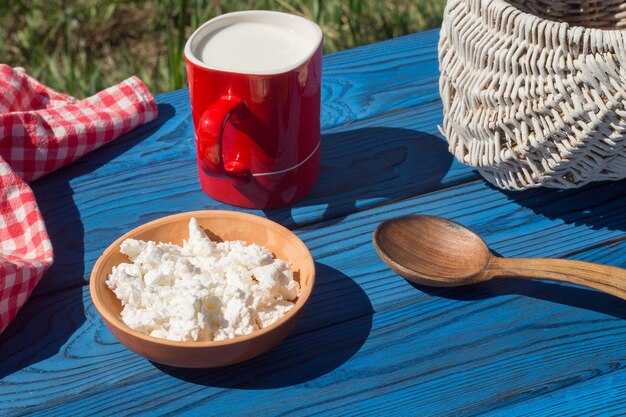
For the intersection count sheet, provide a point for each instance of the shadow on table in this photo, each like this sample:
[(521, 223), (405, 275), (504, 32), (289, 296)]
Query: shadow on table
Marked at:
[(40, 330), (577, 297), (398, 163), (328, 335), (598, 205), (49, 319)]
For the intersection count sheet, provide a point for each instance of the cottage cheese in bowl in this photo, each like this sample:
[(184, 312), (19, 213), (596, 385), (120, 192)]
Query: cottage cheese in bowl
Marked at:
[(202, 290)]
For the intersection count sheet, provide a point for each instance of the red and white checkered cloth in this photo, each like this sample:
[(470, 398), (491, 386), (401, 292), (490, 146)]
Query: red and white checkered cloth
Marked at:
[(40, 131)]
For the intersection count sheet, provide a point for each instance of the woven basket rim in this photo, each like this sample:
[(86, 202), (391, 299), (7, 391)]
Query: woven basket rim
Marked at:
[(529, 20)]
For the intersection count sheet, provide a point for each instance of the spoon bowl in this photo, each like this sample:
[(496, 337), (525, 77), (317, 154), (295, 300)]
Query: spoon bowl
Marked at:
[(431, 250)]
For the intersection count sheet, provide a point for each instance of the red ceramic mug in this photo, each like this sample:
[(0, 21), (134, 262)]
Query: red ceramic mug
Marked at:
[(254, 82)]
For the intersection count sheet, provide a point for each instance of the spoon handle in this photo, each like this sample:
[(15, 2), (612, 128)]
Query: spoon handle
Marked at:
[(606, 278)]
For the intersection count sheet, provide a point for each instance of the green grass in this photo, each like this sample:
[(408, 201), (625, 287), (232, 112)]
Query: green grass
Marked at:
[(83, 46)]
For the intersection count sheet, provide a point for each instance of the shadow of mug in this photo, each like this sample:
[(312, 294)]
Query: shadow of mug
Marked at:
[(400, 163)]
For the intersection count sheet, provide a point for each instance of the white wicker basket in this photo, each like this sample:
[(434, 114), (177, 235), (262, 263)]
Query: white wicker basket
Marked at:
[(535, 102)]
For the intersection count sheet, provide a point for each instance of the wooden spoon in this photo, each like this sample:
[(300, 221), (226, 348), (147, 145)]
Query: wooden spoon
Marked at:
[(439, 252)]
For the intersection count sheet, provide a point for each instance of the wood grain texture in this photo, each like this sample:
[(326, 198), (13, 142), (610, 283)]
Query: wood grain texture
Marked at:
[(390, 75), (601, 392), (459, 350), (510, 330)]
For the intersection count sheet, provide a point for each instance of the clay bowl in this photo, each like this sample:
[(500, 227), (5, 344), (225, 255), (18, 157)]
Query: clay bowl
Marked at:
[(224, 225)]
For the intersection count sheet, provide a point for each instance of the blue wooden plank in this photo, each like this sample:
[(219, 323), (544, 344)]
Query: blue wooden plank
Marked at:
[(454, 354), (390, 75), (510, 328), (602, 395), (600, 390)]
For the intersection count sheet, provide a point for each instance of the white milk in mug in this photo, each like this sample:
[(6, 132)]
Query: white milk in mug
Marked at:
[(252, 47)]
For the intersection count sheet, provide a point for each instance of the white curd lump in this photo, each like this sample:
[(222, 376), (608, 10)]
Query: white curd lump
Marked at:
[(203, 290)]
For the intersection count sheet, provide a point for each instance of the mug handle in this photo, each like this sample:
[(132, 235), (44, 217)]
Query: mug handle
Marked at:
[(209, 138)]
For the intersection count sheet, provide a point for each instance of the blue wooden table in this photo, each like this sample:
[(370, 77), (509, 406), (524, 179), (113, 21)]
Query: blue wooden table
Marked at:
[(369, 342)]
